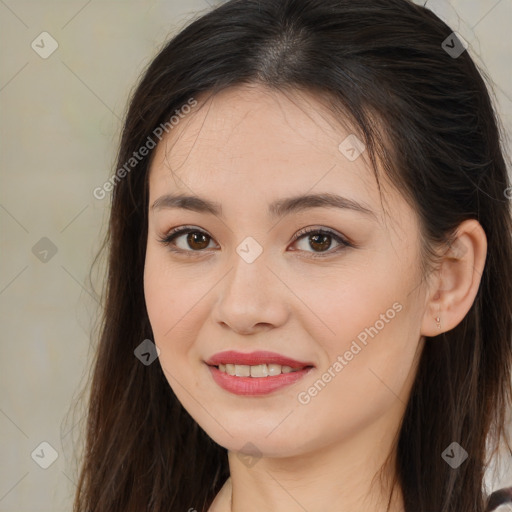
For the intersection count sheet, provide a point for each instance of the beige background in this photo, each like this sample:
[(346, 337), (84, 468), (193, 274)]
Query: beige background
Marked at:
[(60, 124)]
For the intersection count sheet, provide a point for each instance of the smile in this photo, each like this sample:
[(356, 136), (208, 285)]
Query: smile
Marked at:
[(260, 370), (255, 373)]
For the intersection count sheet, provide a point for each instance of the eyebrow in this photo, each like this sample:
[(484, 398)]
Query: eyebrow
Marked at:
[(278, 208)]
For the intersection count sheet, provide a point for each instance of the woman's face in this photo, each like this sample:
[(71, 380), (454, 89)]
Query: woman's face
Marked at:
[(239, 281)]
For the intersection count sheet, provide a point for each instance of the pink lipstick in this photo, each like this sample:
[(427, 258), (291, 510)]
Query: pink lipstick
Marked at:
[(255, 373)]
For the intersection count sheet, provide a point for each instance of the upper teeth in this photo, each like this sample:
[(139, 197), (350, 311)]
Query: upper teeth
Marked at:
[(261, 370)]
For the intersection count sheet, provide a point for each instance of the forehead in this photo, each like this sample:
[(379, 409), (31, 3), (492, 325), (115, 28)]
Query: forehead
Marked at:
[(263, 143)]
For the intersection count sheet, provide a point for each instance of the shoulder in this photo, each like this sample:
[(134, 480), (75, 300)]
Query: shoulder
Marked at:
[(499, 497)]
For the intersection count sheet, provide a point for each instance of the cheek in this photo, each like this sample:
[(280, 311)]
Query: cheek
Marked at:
[(170, 292), (351, 303), (170, 300), (177, 304), (369, 336), (169, 304), (367, 386), (159, 297)]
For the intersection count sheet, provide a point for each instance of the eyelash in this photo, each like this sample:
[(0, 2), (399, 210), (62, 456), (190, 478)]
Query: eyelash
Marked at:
[(176, 232)]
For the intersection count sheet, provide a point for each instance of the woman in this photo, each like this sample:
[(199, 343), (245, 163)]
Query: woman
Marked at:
[(309, 297)]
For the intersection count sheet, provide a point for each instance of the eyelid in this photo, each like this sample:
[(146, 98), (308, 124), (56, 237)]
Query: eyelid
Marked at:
[(182, 230), (340, 239), (168, 237), (323, 230)]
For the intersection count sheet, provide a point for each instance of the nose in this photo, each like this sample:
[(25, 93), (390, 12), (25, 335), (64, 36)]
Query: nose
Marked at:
[(251, 298)]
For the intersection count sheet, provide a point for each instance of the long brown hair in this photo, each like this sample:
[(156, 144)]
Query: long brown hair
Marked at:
[(385, 59)]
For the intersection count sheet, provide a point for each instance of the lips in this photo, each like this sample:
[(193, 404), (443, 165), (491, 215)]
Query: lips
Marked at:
[(255, 358), (271, 380)]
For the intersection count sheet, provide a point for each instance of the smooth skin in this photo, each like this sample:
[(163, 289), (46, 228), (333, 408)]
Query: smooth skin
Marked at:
[(245, 148)]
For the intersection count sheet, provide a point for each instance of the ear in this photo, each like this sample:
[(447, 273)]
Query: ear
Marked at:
[(456, 281)]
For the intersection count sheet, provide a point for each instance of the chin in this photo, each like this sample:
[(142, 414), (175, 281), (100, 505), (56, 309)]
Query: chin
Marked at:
[(258, 439)]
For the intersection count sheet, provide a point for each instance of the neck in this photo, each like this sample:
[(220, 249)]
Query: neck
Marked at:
[(341, 477)]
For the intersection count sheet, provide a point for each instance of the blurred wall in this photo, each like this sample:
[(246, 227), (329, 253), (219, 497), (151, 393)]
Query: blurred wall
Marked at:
[(66, 70)]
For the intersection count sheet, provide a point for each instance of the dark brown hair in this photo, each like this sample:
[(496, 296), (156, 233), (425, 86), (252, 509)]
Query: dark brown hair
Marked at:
[(382, 60)]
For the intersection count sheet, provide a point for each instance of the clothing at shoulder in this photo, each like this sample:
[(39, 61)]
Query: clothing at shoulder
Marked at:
[(500, 497)]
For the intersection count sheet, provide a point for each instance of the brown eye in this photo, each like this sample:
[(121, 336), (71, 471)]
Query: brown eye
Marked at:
[(187, 240), (193, 241), (197, 240), (319, 241)]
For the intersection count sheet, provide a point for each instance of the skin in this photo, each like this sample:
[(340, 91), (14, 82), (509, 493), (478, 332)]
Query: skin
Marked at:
[(246, 147)]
